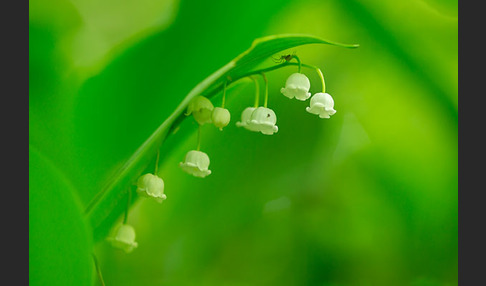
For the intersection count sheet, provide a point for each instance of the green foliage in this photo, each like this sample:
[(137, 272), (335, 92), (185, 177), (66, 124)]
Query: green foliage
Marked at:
[(60, 242)]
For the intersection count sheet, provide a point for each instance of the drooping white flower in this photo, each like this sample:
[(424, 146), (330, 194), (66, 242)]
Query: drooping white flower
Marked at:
[(221, 117), (245, 119), (151, 186), (124, 238), (297, 85), (201, 109), (263, 120), (196, 163), (321, 104)]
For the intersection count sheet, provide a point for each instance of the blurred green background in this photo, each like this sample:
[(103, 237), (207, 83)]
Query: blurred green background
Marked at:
[(367, 197)]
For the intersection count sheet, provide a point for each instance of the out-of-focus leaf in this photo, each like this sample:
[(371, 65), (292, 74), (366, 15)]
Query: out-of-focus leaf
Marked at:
[(51, 83), (98, 38), (106, 207), (444, 7), (59, 238)]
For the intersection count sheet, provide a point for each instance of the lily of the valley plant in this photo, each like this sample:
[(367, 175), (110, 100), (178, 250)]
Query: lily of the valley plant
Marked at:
[(256, 118)]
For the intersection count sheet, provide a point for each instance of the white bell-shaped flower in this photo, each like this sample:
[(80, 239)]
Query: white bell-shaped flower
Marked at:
[(124, 238), (196, 163), (245, 119), (151, 186), (297, 85), (221, 117), (201, 109), (321, 104), (263, 120)]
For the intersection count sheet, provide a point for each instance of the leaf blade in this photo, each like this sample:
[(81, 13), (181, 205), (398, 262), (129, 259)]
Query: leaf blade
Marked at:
[(60, 243)]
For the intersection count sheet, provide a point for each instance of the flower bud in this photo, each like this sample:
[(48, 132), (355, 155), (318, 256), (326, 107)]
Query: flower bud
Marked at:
[(221, 117), (196, 163), (124, 238), (297, 85), (201, 109), (151, 186), (321, 104)]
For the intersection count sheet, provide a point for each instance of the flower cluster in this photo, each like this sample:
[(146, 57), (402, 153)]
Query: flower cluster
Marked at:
[(255, 118)]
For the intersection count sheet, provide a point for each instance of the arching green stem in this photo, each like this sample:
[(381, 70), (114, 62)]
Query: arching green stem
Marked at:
[(323, 83), (260, 71), (266, 90), (257, 91), (272, 68)]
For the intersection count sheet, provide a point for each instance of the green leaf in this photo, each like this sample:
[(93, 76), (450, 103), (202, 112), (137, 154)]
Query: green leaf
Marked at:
[(265, 47), (60, 243), (106, 207)]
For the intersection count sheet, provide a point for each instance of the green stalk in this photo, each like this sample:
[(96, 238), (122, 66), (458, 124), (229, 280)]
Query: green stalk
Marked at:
[(323, 83), (257, 91), (266, 90)]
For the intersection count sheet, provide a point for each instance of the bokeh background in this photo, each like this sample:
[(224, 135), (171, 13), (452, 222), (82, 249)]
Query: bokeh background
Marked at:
[(367, 197)]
